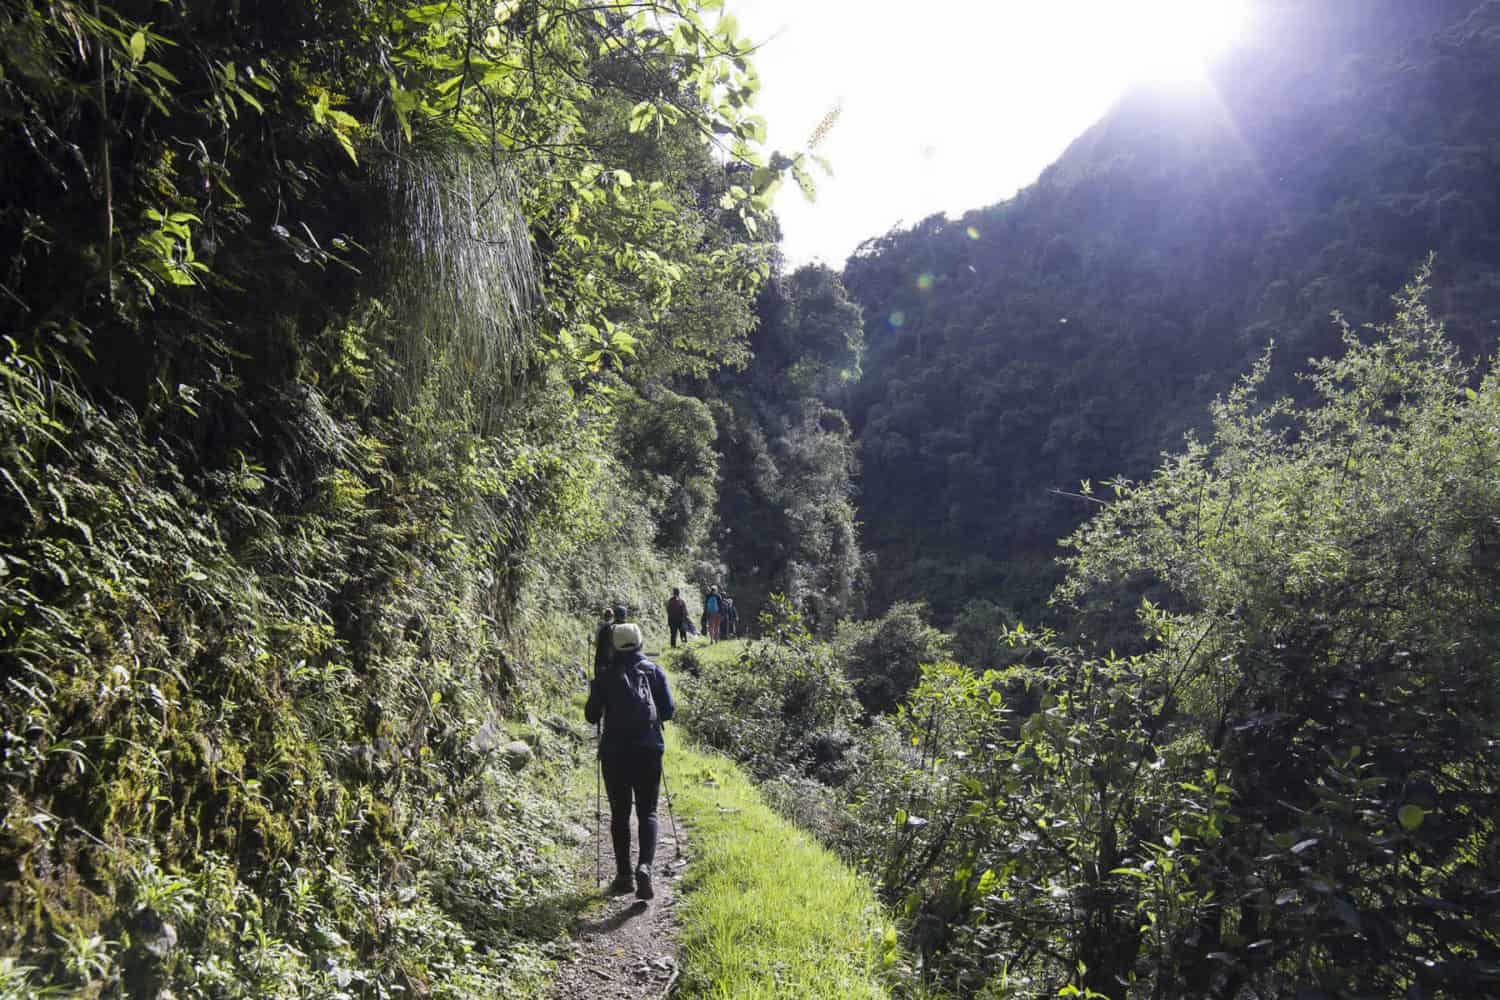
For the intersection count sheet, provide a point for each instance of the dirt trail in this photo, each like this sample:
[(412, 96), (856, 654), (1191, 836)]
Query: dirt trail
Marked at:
[(625, 948)]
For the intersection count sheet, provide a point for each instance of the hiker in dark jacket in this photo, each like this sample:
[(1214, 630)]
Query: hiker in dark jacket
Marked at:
[(731, 616), (677, 616), (603, 651), (633, 699)]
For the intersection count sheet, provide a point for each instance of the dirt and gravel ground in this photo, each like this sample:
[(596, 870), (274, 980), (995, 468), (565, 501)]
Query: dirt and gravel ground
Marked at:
[(624, 948)]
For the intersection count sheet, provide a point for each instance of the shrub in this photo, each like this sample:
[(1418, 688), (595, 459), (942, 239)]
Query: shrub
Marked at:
[(782, 708), (883, 658), (1337, 654), (1294, 789)]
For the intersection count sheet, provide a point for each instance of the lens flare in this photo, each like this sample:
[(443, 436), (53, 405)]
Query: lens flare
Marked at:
[(972, 232), (1174, 41), (925, 280), (896, 319)]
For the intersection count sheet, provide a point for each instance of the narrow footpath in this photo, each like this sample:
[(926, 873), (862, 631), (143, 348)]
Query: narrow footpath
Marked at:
[(624, 948)]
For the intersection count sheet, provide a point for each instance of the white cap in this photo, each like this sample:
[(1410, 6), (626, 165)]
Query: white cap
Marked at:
[(626, 636)]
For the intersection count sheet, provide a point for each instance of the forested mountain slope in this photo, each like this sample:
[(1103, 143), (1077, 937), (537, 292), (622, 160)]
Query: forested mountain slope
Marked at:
[(1076, 330), (786, 516)]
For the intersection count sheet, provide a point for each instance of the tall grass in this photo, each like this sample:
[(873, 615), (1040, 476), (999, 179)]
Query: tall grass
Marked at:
[(461, 277), (768, 912)]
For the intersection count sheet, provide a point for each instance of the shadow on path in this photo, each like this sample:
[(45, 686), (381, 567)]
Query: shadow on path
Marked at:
[(623, 948), (614, 921), (552, 916)]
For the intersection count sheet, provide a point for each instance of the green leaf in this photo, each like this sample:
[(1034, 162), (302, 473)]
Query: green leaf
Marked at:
[(346, 143), (641, 116), (623, 343), (250, 99), (160, 72), (137, 47)]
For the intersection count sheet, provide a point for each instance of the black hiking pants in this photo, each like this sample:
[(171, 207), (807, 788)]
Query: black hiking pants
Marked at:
[(677, 628), (632, 774)]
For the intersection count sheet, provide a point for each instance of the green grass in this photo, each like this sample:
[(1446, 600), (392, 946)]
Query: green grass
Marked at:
[(768, 911), (724, 652)]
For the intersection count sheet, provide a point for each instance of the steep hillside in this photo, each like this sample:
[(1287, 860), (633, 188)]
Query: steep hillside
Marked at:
[(1075, 331), (320, 321)]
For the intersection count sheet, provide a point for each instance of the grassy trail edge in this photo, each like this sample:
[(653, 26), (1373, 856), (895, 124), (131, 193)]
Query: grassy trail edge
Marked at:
[(768, 911)]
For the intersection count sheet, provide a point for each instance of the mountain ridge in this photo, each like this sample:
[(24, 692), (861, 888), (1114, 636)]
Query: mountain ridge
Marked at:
[(1087, 321)]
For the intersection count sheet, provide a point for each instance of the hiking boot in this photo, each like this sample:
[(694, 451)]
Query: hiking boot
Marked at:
[(622, 884), (643, 889)]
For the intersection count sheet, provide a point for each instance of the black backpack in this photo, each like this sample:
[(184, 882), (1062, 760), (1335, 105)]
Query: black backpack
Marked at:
[(630, 706)]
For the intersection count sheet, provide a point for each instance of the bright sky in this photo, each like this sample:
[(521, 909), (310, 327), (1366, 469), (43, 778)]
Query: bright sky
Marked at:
[(950, 105)]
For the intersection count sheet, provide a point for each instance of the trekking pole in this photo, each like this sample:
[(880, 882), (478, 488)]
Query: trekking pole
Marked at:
[(598, 816), (670, 818)]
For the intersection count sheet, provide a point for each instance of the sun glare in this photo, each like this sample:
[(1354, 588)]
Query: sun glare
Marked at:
[(1176, 40)]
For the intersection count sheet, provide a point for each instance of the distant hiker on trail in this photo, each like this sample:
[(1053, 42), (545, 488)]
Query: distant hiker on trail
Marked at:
[(712, 611), (677, 616), (633, 699), (603, 651), (731, 616)]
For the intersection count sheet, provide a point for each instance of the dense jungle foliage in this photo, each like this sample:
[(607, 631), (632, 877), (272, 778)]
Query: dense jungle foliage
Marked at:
[(1293, 791), (323, 324), (786, 513), (1076, 331)]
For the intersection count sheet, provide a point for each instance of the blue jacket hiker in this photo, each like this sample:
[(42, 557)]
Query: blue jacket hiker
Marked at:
[(632, 697)]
